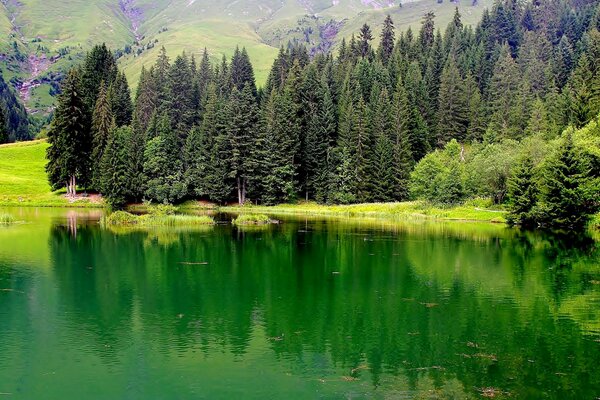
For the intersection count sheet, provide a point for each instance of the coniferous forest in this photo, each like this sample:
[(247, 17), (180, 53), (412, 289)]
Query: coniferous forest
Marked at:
[(505, 111)]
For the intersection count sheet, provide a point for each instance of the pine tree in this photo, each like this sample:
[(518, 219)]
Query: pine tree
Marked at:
[(402, 123), (241, 132), (160, 74), (99, 66), (579, 90), (277, 143), (563, 62), (115, 167), (146, 99), (504, 107), (538, 121), (522, 193), (364, 41), (566, 201), (477, 118), (386, 46), (3, 126), (382, 159), (102, 124), (426, 34), (242, 73), (69, 138), (453, 106), (181, 96), (163, 169), (120, 100), (205, 74)]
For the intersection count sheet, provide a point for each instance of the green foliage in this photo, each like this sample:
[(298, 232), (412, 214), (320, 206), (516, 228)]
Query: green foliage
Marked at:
[(122, 218), (251, 219), (116, 168)]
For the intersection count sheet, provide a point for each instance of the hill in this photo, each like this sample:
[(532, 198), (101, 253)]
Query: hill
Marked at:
[(40, 39)]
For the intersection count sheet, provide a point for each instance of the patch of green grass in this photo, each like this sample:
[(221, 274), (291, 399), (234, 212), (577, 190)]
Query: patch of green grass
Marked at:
[(6, 219), (23, 180), (414, 210), (251, 219), (123, 218)]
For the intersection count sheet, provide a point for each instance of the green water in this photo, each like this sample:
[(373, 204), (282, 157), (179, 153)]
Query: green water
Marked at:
[(309, 309)]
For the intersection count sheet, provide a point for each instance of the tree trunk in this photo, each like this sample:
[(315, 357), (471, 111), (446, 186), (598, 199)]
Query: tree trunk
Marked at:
[(239, 188)]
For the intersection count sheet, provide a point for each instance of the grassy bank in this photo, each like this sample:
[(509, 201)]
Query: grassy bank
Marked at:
[(415, 210), (122, 218), (23, 180)]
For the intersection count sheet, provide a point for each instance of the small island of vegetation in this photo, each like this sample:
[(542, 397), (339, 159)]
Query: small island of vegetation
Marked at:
[(252, 219)]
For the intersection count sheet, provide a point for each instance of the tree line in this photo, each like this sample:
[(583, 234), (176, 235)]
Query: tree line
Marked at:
[(442, 117)]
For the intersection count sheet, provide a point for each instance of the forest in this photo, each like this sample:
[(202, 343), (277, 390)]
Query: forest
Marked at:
[(506, 112)]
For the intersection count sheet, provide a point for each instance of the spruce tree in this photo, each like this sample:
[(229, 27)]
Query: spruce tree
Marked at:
[(522, 193), (402, 123), (115, 166), (453, 106), (181, 96), (563, 62), (120, 100), (69, 138), (242, 72), (579, 90), (566, 199), (146, 99), (426, 34), (99, 66), (386, 46), (163, 169), (364, 41), (382, 159), (241, 133), (3, 127), (102, 124)]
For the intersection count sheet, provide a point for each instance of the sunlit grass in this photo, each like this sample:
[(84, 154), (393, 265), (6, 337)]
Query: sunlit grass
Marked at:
[(123, 218), (251, 219), (6, 219), (413, 210)]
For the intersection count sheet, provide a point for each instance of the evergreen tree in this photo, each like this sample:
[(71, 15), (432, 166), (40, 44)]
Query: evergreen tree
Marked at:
[(364, 41), (522, 193), (241, 132), (242, 73), (426, 34), (402, 123), (69, 138), (182, 110), (163, 169), (102, 124), (3, 127), (386, 46), (205, 75), (120, 100), (563, 62), (146, 99), (453, 106), (566, 199), (99, 66), (115, 168), (382, 162), (579, 90)]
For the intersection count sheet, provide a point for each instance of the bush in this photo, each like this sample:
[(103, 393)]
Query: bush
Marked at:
[(120, 218)]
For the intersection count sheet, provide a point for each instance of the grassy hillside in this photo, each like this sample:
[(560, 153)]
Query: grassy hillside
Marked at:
[(52, 35), (23, 178)]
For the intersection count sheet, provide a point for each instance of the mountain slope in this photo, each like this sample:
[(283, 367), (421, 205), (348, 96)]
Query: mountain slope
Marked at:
[(41, 38)]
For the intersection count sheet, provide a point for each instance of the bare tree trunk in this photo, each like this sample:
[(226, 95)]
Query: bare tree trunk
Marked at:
[(239, 187), (243, 190), (74, 186)]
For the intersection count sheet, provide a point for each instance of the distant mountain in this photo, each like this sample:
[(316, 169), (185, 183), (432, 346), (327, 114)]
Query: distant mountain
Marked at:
[(40, 39)]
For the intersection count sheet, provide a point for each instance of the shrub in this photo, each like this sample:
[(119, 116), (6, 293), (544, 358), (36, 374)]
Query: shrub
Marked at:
[(251, 219)]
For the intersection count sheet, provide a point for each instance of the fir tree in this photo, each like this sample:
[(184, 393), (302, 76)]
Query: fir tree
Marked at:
[(426, 34), (579, 90), (3, 126), (386, 46), (566, 199), (120, 100), (69, 138), (146, 99), (241, 132), (163, 169), (115, 166), (382, 162), (453, 106), (99, 66), (364, 41), (522, 193), (242, 73), (102, 124)]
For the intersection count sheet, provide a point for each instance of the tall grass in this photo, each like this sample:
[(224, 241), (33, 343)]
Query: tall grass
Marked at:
[(6, 219), (122, 218), (251, 219)]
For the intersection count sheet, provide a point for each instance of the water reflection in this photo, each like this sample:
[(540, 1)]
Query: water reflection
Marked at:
[(312, 308)]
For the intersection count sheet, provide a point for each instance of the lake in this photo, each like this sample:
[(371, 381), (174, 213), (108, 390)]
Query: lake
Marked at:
[(308, 309)]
